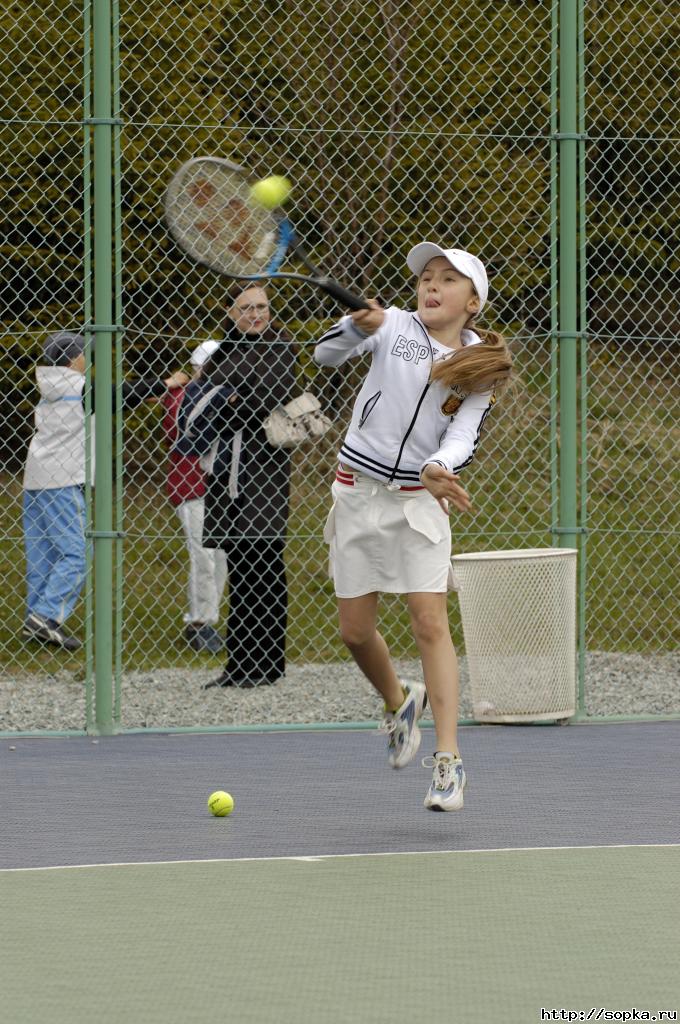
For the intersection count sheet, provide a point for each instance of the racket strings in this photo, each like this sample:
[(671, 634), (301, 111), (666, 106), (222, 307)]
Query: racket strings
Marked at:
[(209, 211)]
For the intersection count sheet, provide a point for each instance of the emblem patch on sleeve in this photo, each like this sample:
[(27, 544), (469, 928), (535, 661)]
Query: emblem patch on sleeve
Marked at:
[(454, 401)]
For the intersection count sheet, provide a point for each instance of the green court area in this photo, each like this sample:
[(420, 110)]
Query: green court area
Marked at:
[(472, 937)]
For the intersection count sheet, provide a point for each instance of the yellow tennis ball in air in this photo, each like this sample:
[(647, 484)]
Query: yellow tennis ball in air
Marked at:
[(271, 192), (220, 803)]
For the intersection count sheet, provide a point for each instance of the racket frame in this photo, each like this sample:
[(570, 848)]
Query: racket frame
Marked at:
[(287, 241)]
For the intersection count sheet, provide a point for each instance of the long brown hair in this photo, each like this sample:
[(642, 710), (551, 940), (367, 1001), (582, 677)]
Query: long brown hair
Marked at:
[(477, 368)]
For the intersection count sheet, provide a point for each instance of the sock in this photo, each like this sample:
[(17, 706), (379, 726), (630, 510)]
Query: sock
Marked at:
[(393, 711), (447, 753)]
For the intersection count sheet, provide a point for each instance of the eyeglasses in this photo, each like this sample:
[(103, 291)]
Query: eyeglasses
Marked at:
[(261, 307)]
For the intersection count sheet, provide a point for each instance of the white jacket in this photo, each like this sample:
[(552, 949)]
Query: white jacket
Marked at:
[(397, 424), (56, 454)]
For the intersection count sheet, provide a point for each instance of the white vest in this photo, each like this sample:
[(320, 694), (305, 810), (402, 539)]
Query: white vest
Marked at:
[(56, 454)]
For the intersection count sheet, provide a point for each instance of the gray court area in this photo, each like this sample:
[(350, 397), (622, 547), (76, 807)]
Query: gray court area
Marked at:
[(143, 798), (331, 896)]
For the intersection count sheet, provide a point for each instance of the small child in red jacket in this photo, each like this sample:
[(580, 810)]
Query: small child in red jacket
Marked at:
[(186, 488)]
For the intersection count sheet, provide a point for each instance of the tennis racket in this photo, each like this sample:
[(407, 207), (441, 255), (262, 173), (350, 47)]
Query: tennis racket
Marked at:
[(212, 218)]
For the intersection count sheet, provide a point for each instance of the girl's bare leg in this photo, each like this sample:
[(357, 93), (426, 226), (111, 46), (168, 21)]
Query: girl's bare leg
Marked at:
[(358, 617), (430, 624)]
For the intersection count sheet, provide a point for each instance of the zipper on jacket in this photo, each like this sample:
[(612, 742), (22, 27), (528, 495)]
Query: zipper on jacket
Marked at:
[(369, 407), (415, 414), (408, 432)]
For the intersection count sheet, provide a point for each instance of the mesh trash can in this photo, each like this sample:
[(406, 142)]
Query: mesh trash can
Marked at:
[(518, 610)]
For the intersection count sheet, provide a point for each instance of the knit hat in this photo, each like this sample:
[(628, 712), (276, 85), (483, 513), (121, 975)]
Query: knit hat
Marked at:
[(64, 346)]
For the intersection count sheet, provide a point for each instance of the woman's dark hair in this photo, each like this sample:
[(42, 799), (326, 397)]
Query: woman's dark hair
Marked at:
[(235, 290)]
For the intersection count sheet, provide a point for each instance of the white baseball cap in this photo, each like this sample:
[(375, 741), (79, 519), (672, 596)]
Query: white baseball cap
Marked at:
[(464, 262), (202, 352)]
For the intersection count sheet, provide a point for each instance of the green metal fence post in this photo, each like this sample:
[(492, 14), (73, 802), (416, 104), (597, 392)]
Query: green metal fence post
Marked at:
[(583, 325), (554, 277), (568, 270), (118, 371), (87, 320), (103, 277)]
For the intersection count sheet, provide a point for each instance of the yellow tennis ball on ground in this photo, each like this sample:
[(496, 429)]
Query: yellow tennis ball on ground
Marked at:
[(271, 192), (220, 803)]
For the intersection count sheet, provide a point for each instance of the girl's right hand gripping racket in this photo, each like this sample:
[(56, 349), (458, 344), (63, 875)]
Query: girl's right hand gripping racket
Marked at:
[(211, 216)]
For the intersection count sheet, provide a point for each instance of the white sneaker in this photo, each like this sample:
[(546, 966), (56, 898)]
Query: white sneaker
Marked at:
[(401, 726), (448, 782)]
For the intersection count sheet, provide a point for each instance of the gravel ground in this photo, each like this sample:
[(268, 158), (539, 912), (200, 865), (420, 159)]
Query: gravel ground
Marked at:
[(160, 698)]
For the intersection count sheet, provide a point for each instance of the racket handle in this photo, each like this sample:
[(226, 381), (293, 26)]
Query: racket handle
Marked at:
[(345, 298)]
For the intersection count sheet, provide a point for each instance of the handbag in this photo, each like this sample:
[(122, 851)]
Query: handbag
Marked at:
[(295, 422)]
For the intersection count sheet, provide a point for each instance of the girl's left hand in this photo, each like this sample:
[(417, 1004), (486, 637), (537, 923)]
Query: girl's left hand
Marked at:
[(444, 486)]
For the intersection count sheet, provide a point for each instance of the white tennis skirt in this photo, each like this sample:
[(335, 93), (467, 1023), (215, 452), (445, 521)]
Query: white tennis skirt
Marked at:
[(391, 542)]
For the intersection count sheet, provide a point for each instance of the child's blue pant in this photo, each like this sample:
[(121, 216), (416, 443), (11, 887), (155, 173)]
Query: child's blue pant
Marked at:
[(54, 536)]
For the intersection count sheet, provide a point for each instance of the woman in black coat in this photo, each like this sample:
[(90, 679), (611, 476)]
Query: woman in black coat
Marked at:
[(246, 504)]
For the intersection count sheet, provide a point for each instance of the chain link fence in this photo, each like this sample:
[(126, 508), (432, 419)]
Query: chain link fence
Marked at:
[(396, 123)]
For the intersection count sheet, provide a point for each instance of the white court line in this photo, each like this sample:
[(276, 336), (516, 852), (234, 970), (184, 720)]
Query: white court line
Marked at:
[(340, 856)]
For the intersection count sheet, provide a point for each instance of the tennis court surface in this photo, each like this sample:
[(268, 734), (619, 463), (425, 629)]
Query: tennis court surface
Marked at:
[(331, 894)]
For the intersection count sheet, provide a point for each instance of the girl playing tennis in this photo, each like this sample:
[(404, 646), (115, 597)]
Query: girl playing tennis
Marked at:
[(416, 423)]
